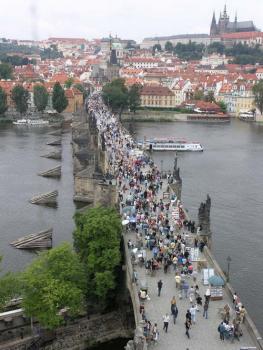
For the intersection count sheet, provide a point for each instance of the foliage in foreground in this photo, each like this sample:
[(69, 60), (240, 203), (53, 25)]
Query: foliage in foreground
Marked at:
[(53, 282), (97, 241)]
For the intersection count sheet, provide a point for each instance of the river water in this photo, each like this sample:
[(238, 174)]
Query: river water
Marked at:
[(20, 162), (230, 169)]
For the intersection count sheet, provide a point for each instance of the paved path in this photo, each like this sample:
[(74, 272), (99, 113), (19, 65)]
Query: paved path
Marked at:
[(203, 334)]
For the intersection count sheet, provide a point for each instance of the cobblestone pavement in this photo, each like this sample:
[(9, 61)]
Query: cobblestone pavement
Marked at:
[(204, 334)]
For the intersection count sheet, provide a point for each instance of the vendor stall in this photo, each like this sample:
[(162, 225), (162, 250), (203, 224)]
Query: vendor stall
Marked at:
[(216, 287)]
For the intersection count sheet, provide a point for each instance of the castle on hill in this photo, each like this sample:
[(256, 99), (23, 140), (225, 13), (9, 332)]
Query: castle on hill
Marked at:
[(225, 26)]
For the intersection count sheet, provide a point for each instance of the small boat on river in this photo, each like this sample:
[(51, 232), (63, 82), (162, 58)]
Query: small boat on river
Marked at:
[(247, 116)]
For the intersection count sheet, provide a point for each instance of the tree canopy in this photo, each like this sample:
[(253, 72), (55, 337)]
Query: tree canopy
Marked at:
[(10, 287), (168, 46), (3, 102), (82, 89), (117, 96), (134, 97), (97, 241), (5, 71), (69, 82), (40, 97), (54, 281), (258, 92), (59, 100), (20, 96), (190, 51)]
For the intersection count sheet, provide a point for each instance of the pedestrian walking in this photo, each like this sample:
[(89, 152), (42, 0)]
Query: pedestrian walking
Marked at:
[(155, 334), (188, 316), (166, 319), (187, 327), (205, 313), (174, 311), (159, 287), (193, 313)]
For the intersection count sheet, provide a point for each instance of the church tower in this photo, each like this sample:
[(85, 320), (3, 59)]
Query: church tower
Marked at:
[(223, 22), (213, 27)]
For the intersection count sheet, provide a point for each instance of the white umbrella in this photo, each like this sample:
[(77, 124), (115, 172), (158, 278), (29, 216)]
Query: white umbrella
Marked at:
[(125, 222)]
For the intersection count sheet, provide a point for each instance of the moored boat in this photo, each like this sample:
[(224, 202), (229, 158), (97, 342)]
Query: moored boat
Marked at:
[(31, 122), (179, 145), (247, 116), (208, 118)]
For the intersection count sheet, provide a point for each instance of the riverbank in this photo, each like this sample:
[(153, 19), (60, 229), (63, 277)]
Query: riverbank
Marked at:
[(152, 116), (171, 116)]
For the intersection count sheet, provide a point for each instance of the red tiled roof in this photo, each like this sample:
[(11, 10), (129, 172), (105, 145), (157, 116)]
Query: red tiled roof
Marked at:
[(153, 90), (242, 35)]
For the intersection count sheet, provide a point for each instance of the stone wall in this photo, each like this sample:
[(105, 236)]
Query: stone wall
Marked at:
[(81, 335)]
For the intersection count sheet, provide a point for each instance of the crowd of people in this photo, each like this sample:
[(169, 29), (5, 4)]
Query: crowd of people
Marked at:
[(159, 224)]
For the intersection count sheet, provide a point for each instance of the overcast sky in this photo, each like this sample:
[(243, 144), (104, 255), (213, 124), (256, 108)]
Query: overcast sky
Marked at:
[(135, 19)]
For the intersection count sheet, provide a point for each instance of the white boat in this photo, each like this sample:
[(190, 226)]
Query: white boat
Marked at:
[(31, 122), (171, 145), (247, 116), (37, 122), (20, 122)]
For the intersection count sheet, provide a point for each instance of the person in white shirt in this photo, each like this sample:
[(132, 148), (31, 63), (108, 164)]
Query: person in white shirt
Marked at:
[(166, 319)]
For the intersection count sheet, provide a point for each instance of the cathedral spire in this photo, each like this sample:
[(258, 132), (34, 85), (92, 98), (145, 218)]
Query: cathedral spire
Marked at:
[(213, 27), (225, 12)]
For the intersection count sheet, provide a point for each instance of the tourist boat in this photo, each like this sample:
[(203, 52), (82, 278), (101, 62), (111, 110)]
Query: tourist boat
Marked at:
[(247, 116), (31, 122), (208, 118), (20, 122), (171, 145)]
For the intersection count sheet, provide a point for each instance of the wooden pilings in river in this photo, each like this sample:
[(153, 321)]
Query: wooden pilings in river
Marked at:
[(49, 198), (40, 240), (55, 142), (53, 155), (54, 172)]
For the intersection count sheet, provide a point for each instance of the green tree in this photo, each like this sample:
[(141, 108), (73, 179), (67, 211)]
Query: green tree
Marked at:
[(69, 82), (258, 92), (40, 97), (199, 95), (190, 51), (116, 95), (82, 89), (54, 281), (20, 96), (157, 47), (3, 102), (97, 241), (223, 106), (168, 46), (5, 71), (10, 288), (134, 97), (209, 97), (216, 47), (59, 100)]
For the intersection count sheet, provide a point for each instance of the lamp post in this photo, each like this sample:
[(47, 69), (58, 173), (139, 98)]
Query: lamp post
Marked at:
[(228, 259)]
